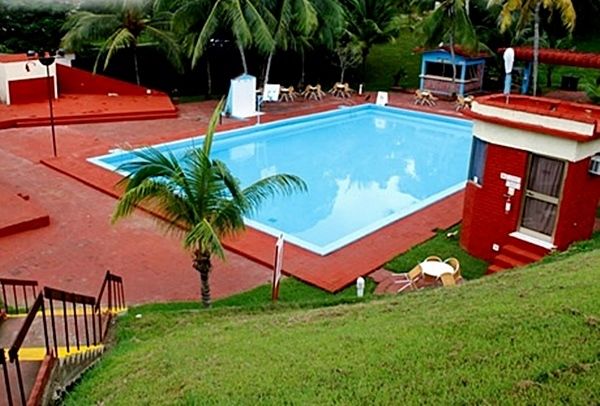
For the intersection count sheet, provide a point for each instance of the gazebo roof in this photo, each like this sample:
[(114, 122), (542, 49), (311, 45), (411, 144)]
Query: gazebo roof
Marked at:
[(458, 50), (559, 57)]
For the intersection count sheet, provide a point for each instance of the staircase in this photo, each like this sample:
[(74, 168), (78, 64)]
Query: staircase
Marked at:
[(48, 339), (516, 254)]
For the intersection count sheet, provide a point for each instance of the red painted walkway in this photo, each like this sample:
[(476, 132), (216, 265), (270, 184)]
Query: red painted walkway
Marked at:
[(79, 245)]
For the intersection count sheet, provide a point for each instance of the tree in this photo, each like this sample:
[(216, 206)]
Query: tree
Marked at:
[(349, 55), (526, 10), (371, 22), (287, 19), (450, 22), (198, 197), (199, 20), (121, 24)]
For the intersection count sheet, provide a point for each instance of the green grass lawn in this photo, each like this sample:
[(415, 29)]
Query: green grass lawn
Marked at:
[(529, 336), (384, 60), (444, 245)]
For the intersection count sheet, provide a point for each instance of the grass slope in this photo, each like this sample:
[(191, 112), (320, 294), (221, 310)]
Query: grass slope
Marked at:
[(528, 336)]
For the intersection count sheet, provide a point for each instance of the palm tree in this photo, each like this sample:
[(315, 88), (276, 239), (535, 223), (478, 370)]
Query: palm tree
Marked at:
[(450, 22), (122, 25), (371, 22), (287, 19), (198, 197), (528, 9), (199, 20)]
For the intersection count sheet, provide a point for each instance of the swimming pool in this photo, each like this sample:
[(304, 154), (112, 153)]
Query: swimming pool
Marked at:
[(365, 167)]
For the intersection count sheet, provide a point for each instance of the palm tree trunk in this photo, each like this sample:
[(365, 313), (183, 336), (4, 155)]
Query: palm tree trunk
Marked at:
[(536, 45), (208, 77), (203, 265), (135, 63), (453, 59), (302, 67), (243, 56), (343, 72), (268, 69)]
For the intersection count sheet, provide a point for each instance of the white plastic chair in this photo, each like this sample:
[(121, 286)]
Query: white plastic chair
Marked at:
[(271, 93), (382, 99)]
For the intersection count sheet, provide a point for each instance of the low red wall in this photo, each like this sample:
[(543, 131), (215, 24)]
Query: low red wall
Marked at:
[(79, 81), (484, 220), (29, 90)]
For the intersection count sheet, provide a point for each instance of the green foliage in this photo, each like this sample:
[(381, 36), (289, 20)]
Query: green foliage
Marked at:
[(119, 25), (371, 22), (523, 337), (33, 26), (444, 244)]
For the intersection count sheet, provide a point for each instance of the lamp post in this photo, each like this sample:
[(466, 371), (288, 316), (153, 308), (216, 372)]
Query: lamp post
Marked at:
[(47, 61)]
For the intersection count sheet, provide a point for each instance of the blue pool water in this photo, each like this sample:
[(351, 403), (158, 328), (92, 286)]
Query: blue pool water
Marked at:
[(365, 167)]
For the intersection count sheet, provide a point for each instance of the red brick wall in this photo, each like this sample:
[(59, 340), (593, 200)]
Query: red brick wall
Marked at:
[(29, 90), (578, 205), (484, 219), (78, 81)]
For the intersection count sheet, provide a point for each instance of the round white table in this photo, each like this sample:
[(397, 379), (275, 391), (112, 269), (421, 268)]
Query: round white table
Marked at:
[(436, 269)]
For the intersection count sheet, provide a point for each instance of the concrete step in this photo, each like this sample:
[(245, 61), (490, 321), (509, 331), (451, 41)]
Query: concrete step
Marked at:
[(492, 269), (507, 262), (520, 254), (528, 247)]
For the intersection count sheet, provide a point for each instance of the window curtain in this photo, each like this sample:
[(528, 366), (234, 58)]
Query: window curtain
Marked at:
[(539, 216), (545, 176)]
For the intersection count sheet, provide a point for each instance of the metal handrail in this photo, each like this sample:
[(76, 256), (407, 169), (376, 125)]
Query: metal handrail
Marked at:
[(13, 352), (24, 285), (113, 285)]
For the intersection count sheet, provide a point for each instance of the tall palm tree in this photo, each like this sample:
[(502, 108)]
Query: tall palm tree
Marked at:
[(122, 24), (371, 22), (199, 20), (450, 22), (287, 19), (528, 10), (198, 197)]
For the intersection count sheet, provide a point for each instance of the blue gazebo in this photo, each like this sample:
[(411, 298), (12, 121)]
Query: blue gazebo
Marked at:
[(436, 72)]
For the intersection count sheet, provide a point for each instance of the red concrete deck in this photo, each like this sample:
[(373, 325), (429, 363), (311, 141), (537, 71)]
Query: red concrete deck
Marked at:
[(92, 108), (24, 214), (76, 249)]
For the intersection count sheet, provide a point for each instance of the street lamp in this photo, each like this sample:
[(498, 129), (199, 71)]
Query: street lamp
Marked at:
[(47, 61)]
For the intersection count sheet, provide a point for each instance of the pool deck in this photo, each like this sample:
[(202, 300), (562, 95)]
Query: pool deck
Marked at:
[(80, 244)]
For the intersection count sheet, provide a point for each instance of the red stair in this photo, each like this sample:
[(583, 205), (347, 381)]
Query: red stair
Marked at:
[(516, 254)]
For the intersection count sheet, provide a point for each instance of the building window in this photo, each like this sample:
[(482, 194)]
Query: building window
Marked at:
[(442, 69), (477, 165)]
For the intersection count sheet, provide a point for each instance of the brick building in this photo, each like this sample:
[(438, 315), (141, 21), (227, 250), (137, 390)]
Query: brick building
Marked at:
[(534, 179)]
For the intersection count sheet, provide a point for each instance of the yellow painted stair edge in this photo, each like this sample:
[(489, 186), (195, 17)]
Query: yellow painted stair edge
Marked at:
[(39, 353)]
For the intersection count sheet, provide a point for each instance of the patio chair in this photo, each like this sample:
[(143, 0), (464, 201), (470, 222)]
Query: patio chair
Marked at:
[(287, 94), (463, 102), (411, 278), (448, 280), (271, 93), (453, 262), (433, 258), (382, 99), (313, 92)]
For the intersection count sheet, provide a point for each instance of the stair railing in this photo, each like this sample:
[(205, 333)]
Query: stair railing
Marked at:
[(13, 352), (23, 293), (115, 297), (73, 306)]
